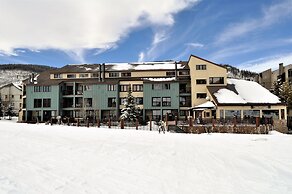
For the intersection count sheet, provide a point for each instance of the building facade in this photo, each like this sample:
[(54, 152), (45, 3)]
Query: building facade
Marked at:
[(100, 90), (11, 96)]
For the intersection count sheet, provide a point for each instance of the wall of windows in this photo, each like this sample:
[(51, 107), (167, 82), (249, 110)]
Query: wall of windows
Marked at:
[(201, 67), (161, 86), (138, 88)]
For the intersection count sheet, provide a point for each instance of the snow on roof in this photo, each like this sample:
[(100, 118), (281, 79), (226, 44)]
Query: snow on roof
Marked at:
[(160, 79), (17, 85), (253, 92), (227, 96), (146, 66), (246, 92), (208, 104)]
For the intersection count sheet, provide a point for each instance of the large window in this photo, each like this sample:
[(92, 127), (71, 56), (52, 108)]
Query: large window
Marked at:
[(156, 101), (232, 113), (183, 73), (126, 74), (37, 89), (161, 86), (216, 80), (47, 88), (201, 67), (37, 103), (111, 87), (201, 95), (185, 101), (124, 88), (170, 73), (138, 88), (47, 103), (112, 102), (83, 75), (70, 76), (201, 81), (139, 100), (113, 74), (166, 101), (57, 75)]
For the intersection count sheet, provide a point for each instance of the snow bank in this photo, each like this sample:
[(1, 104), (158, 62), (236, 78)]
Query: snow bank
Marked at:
[(47, 159)]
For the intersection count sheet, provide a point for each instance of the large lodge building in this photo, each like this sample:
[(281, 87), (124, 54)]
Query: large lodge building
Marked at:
[(196, 87)]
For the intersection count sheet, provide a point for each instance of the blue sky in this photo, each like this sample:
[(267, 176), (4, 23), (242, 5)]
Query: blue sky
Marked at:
[(249, 34)]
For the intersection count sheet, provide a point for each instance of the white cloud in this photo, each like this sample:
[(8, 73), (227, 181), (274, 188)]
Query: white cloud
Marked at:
[(74, 25), (154, 51), (262, 64), (141, 57), (270, 15)]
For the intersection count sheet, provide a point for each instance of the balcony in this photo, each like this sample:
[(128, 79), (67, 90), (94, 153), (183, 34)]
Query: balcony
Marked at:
[(67, 92)]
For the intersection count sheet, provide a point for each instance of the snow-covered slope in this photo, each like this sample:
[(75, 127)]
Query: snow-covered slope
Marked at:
[(43, 159)]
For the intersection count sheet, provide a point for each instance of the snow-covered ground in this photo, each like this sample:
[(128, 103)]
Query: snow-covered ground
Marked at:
[(42, 159)]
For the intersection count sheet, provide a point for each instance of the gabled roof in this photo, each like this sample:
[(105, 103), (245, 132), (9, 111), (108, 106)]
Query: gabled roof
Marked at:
[(242, 92), (206, 61)]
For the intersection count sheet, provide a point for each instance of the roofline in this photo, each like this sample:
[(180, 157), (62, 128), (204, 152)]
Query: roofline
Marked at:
[(206, 61), (249, 104)]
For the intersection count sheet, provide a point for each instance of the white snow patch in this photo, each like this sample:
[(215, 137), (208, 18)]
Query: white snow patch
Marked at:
[(160, 79), (208, 104), (60, 159), (253, 92), (227, 96)]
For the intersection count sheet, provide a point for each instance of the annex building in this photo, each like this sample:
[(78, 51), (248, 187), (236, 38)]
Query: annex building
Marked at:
[(195, 87)]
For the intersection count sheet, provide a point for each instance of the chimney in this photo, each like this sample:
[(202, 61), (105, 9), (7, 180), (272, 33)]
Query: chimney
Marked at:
[(100, 70), (103, 72), (175, 67), (281, 68)]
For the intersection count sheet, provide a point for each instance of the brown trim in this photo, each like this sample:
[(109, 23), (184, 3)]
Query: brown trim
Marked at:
[(206, 61)]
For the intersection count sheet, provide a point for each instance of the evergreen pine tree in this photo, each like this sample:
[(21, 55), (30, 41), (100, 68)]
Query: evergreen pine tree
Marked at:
[(131, 112)]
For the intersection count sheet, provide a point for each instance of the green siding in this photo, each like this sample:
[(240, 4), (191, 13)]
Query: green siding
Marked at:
[(149, 93), (53, 95)]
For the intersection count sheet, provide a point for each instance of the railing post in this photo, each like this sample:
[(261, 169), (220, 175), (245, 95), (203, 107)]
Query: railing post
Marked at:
[(87, 123), (122, 124), (98, 123), (257, 121), (78, 123), (150, 123), (109, 123), (175, 118), (137, 124)]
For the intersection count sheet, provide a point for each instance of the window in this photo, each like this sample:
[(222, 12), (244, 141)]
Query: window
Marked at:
[(12, 96), (139, 100), (201, 81), (95, 75), (138, 88), (20, 104), (201, 67), (170, 73), (20, 96), (111, 87), (290, 73), (201, 95), (166, 101), (182, 73), (156, 101), (185, 101), (156, 115), (126, 74), (47, 89), (88, 102), (124, 88), (87, 87), (57, 75), (47, 103), (183, 113), (6, 96), (71, 76), (123, 101), (113, 74), (37, 103), (37, 89), (216, 80), (160, 86), (112, 102), (83, 75)]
